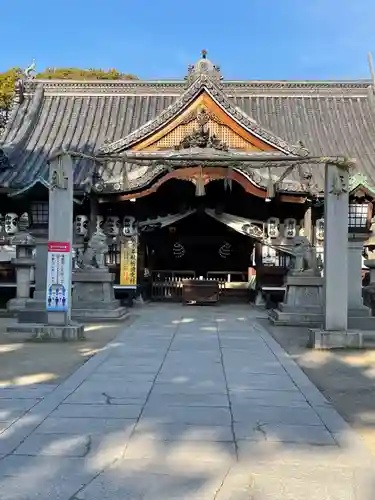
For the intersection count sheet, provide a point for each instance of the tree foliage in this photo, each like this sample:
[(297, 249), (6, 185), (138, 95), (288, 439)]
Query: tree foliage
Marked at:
[(7, 82), (9, 78), (83, 74)]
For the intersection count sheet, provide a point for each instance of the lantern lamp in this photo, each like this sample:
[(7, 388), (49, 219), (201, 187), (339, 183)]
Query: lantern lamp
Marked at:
[(359, 218)]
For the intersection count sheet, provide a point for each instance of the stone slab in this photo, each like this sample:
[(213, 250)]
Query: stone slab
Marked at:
[(34, 312), (184, 456), (72, 425), (105, 411), (94, 315), (42, 478), (298, 415), (309, 319), (257, 398), (188, 415), (187, 400), (191, 389), (188, 458), (263, 382), (93, 276), (40, 332), (321, 339), (283, 433), (123, 484), (304, 280), (365, 323), (180, 432)]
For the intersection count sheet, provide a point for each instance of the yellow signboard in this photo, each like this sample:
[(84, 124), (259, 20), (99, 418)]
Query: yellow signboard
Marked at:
[(128, 261)]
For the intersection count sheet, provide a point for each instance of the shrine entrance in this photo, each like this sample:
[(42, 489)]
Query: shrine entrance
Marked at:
[(198, 246)]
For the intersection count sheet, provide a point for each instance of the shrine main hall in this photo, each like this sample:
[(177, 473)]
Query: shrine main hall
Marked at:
[(169, 162)]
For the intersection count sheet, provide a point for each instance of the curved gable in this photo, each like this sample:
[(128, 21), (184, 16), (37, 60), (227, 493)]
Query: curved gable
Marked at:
[(203, 91)]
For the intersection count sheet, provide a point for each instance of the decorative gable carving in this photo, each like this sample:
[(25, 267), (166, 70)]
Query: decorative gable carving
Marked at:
[(219, 135), (202, 85)]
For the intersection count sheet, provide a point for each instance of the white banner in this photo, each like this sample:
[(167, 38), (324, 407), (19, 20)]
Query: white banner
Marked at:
[(244, 226), (58, 273), (159, 222)]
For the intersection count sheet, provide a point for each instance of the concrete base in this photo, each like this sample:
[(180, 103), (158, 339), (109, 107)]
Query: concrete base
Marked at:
[(322, 339), (302, 305), (312, 319), (35, 310), (38, 332), (16, 304), (99, 315), (93, 297)]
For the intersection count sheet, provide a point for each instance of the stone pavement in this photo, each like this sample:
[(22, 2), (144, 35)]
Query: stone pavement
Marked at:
[(187, 403)]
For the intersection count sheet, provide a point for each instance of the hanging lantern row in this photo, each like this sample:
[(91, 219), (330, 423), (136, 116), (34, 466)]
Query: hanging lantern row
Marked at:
[(110, 226), (290, 228)]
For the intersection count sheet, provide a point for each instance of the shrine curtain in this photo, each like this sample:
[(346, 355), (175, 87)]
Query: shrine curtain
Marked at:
[(159, 222), (247, 227)]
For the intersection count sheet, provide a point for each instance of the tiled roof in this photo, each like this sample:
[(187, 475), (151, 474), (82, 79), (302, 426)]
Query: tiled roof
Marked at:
[(330, 118)]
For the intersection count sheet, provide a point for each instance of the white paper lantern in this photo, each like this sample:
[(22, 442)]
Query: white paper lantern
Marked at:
[(113, 225), (11, 223), (82, 225), (273, 227), (290, 228), (319, 229), (128, 226)]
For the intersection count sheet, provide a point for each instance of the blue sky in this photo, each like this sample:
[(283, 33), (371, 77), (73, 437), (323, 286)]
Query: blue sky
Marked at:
[(249, 39)]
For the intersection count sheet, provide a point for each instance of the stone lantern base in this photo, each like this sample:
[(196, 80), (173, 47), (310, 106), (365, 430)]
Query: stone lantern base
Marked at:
[(303, 301), (93, 297)]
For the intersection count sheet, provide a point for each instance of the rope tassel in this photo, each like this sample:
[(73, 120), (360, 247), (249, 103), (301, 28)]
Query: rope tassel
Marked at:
[(228, 180), (199, 186)]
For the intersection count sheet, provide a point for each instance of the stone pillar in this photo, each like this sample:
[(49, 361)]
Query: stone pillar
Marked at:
[(359, 315), (371, 265), (355, 301), (41, 244), (60, 226), (336, 207), (369, 291), (60, 220)]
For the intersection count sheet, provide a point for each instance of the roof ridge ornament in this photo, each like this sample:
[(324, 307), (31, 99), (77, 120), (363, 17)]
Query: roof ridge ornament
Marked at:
[(30, 71), (203, 67)]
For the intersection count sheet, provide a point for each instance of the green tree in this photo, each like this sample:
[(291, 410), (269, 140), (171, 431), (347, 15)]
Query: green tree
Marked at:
[(84, 74), (9, 78), (7, 83)]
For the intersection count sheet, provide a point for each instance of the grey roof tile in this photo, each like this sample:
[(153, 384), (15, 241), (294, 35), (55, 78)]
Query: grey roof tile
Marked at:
[(329, 120)]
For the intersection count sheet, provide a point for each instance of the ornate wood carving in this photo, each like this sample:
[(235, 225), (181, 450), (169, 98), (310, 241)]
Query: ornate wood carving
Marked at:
[(201, 137), (209, 174), (220, 123)]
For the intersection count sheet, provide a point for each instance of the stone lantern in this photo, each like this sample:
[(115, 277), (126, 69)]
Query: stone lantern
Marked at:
[(23, 263), (359, 222)]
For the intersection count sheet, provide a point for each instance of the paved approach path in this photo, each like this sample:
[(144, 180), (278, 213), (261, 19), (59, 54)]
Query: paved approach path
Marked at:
[(187, 403)]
